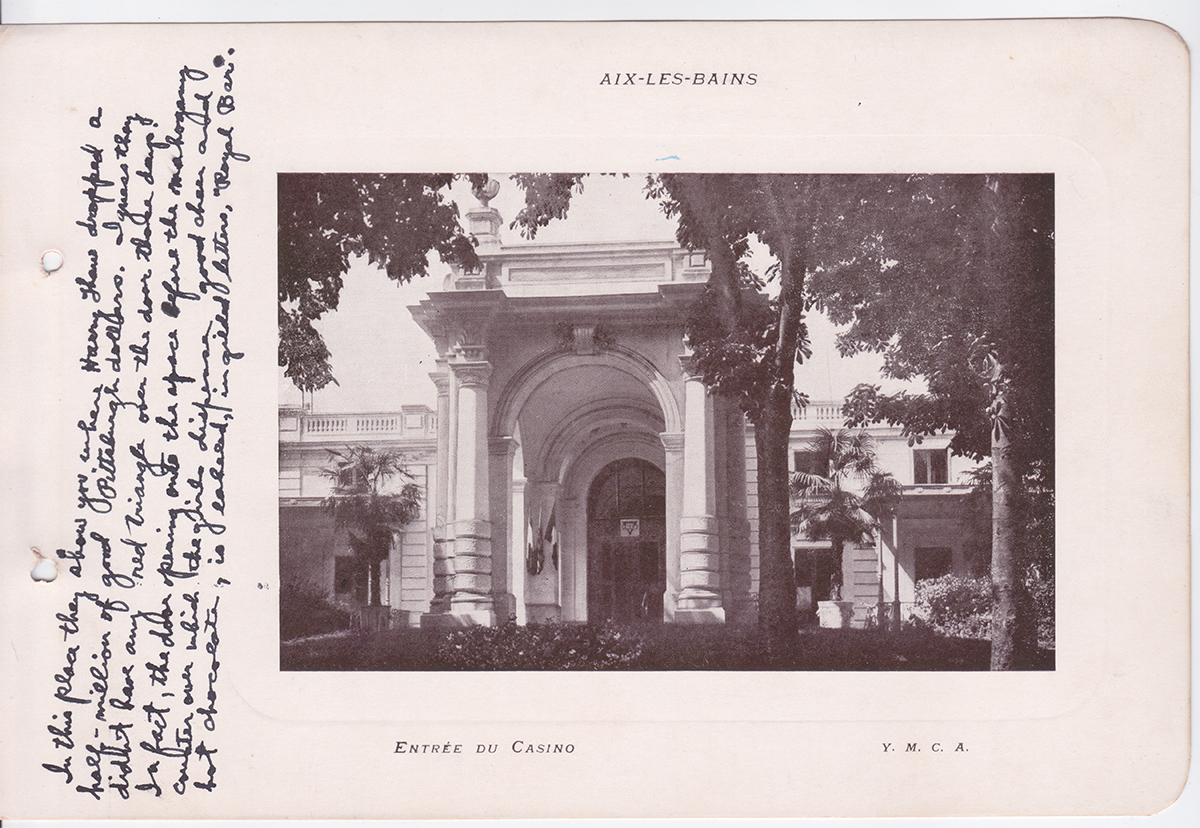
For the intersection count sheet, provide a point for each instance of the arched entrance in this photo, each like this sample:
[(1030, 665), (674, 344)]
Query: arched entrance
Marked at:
[(626, 542)]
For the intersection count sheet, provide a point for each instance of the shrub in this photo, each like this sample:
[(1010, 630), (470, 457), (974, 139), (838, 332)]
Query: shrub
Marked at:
[(962, 607), (304, 610), (954, 606), (1041, 590), (550, 646)]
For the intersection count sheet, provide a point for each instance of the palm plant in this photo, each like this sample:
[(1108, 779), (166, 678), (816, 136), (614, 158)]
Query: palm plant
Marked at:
[(840, 491), (359, 504)]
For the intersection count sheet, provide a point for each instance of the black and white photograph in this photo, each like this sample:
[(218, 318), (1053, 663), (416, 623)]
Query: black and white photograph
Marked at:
[(672, 421)]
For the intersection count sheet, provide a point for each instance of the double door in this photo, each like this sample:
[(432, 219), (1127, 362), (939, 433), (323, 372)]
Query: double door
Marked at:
[(626, 550), (626, 580)]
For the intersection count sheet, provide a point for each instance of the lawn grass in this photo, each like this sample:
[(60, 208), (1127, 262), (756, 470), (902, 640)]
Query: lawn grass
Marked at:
[(663, 647)]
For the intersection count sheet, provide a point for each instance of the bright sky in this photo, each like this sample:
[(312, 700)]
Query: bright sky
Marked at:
[(382, 359)]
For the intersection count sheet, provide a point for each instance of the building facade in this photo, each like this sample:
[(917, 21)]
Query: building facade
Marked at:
[(576, 468)]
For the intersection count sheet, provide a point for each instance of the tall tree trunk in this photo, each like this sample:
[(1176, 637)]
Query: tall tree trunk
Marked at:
[(1008, 586), (777, 590), (777, 582), (1012, 610), (772, 416)]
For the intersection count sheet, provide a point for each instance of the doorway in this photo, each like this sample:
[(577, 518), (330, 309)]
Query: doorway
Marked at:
[(626, 549)]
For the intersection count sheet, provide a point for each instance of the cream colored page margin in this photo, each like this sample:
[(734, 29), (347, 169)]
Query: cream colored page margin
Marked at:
[(1103, 104)]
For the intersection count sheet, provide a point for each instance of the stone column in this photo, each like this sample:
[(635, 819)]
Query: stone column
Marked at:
[(572, 559), (442, 535), (699, 559), (673, 468), (518, 530), (508, 584), (451, 464), (472, 601), (739, 605), (752, 519)]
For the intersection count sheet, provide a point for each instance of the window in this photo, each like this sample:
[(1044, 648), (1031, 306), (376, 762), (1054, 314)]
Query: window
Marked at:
[(808, 462), (930, 466), (933, 562), (815, 569), (629, 488)]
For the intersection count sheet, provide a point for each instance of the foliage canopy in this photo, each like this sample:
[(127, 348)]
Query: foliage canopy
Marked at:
[(328, 219)]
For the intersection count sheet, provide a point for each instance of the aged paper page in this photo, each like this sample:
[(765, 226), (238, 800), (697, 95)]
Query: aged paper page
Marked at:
[(151, 662)]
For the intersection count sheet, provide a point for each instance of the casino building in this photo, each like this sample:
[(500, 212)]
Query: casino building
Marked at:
[(575, 468)]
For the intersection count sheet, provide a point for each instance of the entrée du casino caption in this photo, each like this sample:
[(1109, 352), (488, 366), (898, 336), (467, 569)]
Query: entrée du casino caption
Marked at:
[(679, 79), (518, 746)]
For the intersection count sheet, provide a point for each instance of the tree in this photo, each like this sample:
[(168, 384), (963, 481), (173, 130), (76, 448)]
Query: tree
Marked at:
[(360, 504), (840, 489), (325, 221), (968, 305)]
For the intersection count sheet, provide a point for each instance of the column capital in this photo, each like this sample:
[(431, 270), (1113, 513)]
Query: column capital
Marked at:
[(687, 364), (468, 351), (472, 374), (441, 381), (672, 440)]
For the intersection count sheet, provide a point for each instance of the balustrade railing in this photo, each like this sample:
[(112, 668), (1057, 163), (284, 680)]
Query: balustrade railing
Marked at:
[(818, 412), (413, 425)]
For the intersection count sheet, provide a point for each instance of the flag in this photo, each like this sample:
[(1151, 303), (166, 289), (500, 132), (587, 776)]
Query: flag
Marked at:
[(535, 559)]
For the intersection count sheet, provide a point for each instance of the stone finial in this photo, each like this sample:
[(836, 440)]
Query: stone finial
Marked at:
[(487, 192), (482, 223)]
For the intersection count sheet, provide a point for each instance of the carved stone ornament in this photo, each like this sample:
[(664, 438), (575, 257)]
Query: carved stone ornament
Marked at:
[(584, 339), (487, 192), (468, 347), (473, 374), (687, 362)]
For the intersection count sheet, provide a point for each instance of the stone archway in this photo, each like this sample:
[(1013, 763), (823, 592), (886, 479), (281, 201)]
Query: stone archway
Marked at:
[(575, 413), (550, 365)]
